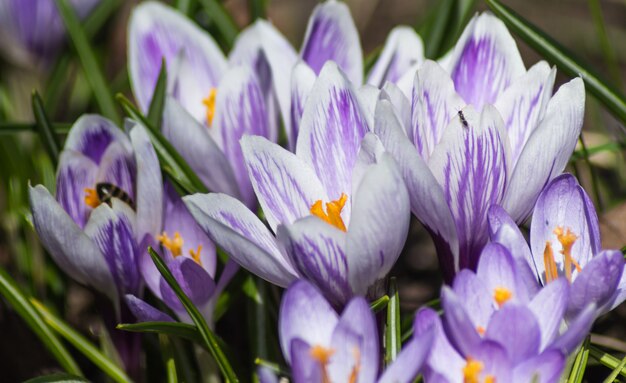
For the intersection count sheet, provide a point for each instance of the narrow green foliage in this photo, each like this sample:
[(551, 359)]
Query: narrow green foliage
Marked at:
[(181, 330), (155, 112), (82, 344), (380, 303), (19, 302), (44, 128), (393, 335), (607, 94), (205, 332), (222, 20), (20, 127), (184, 6), (433, 29), (99, 16), (278, 369), (607, 49), (613, 376), (580, 364), (257, 8), (58, 377), (168, 358), (606, 359), (90, 64)]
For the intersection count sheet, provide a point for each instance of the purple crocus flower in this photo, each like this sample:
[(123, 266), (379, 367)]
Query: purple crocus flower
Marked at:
[(565, 242), (190, 255), (483, 131), (33, 29), (338, 206), (321, 346), (108, 201)]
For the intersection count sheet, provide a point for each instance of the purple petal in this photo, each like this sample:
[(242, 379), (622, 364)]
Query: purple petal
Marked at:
[(485, 61), (471, 164), (497, 269), (410, 360), (303, 367), (305, 314), (403, 49), (578, 328), (239, 110), (493, 355), (75, 173), (331, 131), (158, 32), (145, 312), (266, 375), (426, 196), (476, 297), (332, 36), (544, 368), (195, 144), (524, 103), (620, 293), (318, 251), (302, 80), (195, 282), (242, 235), (113, 231), (91, 135), (118, 168), (547, 150), (549, 307), (285, 185), (457, 324), (516, 329), (434, 104), (597, 282), (68, 245)]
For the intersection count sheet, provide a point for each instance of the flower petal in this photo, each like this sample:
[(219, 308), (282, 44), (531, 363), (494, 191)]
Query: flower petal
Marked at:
[(195, 144), (239, 110), (597, 282), (471, 164), (117, 167), (158, 32), (476, 297), (544, 368), (302, 80), (516, 329), (547, 150), (485, 61), (75, 173), (524, 103), (331, 130), (410, 360), (403, 49), (400, 102), (68, 245), (577, 330), (195, 282), (305, 314), (318, 251), (303, 367), (435, 102), (457, 324), (549, 308), (92, 134), (332, 36), (144, 312), (496, 268), (242, 235)]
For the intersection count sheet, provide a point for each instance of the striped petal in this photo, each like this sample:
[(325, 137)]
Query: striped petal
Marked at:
[(302, 80), (117, 167), (403, 49), (75, 173), (92, 134)]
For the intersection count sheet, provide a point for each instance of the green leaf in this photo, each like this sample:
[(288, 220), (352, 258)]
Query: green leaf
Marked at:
[(607, 49), (90, 64), (58, 377), (551, 50), (17, 300), (44, 128), (613, 376), (433, 29), (393, 336), (168, 358), (257, 8), (580, 364), (171, 161), (181, 330), (99, 16), (222, 20), (155, 112), (82, 344), (20, 127), (606, 359), (379, 303), (207, 335), (282, 371)]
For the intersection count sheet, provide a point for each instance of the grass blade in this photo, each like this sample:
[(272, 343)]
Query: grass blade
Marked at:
[(580, 364), (44, 128), (90, 65), (99, 16), (59, 377), (181, 330), (168, 358), (19, 127), (607, 94), (82, 344), (380, 303), (613, 376), (257, 8), (433, 30), (222, 20), (607, 360), (607, 49), (393, 335), (155, 111), (17, 300), (207, 335)]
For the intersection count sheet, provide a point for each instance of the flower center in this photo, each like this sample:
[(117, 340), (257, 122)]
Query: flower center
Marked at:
[(322, 356), (567, 239), (175, 246), (332, 215), (91, 198), (104, 192), (502, 295), (209, 103), (354, 374), (472, 370)]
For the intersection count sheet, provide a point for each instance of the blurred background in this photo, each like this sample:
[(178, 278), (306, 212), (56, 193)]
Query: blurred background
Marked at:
[(594, 30)]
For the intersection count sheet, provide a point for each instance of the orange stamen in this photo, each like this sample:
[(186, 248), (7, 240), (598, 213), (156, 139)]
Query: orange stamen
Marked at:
[(502, 295), (91, 197), (332, 215), (195, 255), (481, 330), (354, 374), (209, 102), (472, 370), (567, 239), (322, 356), (549, 263), (175, 245)]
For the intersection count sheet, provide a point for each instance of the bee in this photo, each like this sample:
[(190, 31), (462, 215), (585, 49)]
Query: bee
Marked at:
[(463, 120), (107, 191)]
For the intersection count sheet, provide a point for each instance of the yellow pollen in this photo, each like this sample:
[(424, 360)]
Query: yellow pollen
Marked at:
[(567, 239), (354, 374), (332, 215), (91, 197), (549, 264), (481, 330), (195, 255), (472, 370), (209, 102), (322, 356), (175, 245), (502, 295)]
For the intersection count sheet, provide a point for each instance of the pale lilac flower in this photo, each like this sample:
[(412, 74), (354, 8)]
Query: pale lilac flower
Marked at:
[(96, 238), (338, 206), (565, 242), (322, 346), (483, 131)]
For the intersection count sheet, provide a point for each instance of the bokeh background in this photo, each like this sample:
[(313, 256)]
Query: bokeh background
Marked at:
[(593, 30)]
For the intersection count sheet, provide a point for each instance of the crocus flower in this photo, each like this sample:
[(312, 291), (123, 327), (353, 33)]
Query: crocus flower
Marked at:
[(34, 29), (321, 346), (338, 205), (108, 201), (483, 131), (565, 242), (190, 255)]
